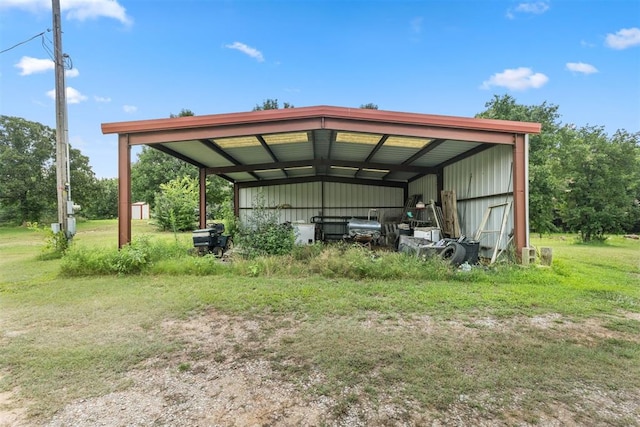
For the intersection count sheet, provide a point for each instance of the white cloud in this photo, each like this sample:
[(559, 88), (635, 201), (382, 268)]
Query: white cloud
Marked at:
[(581, 67), (627, 37), (29, 65), (72, 73), (75, 9), (416, 25), (93, 9), (129, 109), (73, 95), (248, 50), (535, 8), (102, 99), (516, 79)]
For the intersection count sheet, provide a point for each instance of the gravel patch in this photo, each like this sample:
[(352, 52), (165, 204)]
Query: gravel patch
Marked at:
[(222, 377)]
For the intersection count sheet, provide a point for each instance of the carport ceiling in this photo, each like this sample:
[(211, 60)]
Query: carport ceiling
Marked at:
[(335, 143)]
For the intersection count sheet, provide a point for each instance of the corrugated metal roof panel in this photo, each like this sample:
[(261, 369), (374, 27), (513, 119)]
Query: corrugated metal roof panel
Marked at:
[(250, 155), (393, 155), (194, 150), (444, 152), (271, 174), (241, 176), (288, 152), (346, 151)]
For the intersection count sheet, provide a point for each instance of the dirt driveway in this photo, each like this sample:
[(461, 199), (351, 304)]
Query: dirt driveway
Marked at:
[(218, 378)]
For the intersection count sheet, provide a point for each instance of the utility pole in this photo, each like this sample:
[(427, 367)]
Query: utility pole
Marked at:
[(66, 221)]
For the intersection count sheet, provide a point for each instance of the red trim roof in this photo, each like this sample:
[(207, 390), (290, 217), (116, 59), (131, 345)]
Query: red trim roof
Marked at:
[(288, 114)]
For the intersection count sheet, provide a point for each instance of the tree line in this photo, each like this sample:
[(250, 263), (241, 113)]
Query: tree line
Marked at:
[(580, 179)]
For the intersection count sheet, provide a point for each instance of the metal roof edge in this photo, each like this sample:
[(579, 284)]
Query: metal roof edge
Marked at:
[(287, 114)]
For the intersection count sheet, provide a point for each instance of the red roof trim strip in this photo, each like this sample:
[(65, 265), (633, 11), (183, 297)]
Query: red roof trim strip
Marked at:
[(289, 114)]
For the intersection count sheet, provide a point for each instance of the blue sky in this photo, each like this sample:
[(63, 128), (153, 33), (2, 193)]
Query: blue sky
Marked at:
[(144, 59)]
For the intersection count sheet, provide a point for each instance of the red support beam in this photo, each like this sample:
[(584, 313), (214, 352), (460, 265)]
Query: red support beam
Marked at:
[(124, 190), (520, 224)]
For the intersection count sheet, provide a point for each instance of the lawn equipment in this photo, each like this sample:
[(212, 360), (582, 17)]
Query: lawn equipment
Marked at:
[(211, 240)]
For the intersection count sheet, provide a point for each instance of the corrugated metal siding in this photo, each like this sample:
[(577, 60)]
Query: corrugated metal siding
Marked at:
[(297, 202), (484, 179), (427, 186), (340, 199)]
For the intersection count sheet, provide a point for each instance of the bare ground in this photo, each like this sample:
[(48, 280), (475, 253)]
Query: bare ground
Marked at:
[(210, 383)]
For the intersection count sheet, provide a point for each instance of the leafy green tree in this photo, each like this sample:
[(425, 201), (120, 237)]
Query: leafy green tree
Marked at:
[(105, 203), (176, 205), (154, 168), (183, 113), (369, 106), (271, 104), (84, 184), (600, 180), (27, 165), (28, 172), (543, 184)]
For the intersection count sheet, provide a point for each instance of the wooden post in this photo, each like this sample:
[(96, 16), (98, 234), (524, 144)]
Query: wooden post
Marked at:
[(450, 212)]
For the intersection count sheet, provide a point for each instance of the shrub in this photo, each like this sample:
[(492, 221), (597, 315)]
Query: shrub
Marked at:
[(176, 206), (356, 262), (261, 234)]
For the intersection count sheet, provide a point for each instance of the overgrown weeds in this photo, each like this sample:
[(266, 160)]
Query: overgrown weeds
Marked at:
[(137, 257), (56, 243), (262, 234)]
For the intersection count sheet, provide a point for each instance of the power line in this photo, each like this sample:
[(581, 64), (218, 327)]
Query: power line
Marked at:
[(46, 47), (26, 41)]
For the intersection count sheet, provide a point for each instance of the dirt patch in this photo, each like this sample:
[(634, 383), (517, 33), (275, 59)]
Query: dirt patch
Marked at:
[(11, 412), (224, 376)]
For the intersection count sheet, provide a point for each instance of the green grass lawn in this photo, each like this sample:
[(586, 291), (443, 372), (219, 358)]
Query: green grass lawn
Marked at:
[(65, 337)]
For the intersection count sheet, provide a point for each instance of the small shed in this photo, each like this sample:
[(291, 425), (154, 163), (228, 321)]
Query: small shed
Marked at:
[(140, 210)]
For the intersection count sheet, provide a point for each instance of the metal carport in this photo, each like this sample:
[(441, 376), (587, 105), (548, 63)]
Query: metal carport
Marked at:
[(323, 143)]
